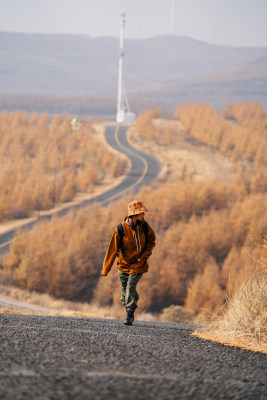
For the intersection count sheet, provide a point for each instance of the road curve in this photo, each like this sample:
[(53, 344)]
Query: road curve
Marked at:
[(77, 358), (144, 169)]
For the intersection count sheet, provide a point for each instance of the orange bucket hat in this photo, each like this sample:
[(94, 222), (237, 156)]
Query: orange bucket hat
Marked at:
[(136, 207)]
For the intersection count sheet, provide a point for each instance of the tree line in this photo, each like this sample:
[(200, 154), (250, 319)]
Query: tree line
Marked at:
[(45, 162), (240, 131)]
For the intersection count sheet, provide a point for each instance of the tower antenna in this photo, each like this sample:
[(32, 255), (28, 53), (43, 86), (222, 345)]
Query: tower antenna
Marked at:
[(123, 110), (172, 20)]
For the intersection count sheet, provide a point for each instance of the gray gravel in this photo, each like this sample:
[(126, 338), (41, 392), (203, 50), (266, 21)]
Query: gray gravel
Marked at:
[(77, 358)]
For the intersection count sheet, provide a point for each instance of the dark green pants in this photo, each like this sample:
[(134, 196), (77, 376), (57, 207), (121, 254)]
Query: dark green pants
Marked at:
[(129, 295)]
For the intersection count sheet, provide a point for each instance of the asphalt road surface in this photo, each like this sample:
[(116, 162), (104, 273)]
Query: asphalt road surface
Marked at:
[(143, 171), (77, 358)]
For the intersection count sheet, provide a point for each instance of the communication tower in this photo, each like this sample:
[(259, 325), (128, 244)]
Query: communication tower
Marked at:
[(123, 109), (172, 19)]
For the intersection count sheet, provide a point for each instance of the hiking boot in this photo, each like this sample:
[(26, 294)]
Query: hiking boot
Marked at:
[(129, 318)]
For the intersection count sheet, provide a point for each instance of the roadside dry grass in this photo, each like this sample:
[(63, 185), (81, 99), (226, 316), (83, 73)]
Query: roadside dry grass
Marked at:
[(60, 307), (243, 322), (97, 313)]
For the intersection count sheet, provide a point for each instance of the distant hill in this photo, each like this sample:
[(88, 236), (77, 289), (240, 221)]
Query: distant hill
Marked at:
[(244, 83), (75, 65)]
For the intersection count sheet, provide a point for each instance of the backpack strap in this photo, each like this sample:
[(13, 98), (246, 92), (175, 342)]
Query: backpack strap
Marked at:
[(122, 234), (145, 229)]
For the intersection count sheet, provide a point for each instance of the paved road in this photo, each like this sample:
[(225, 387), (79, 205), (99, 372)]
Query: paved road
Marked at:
[(143, 171), (71, 358)]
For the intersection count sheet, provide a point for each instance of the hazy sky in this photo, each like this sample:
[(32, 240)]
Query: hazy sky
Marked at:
[(227, 22)]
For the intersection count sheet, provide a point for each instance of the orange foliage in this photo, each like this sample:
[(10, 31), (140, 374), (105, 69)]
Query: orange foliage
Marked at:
[(240, 131), (198, 247), (251, 115), (144, 123), (43, 163), (61, 259), (204, 291)]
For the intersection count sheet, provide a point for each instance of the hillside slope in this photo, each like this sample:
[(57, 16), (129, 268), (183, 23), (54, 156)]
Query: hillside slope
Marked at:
[(247, 82), (87, 66)]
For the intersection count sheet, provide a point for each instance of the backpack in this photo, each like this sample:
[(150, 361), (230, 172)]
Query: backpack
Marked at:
[(122, 234)]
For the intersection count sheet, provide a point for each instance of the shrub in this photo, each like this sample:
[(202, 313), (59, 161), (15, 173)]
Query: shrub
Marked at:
[(244, 320), (176, 314)]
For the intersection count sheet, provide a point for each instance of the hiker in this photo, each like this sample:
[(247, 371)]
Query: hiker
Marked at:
[(132, 241)]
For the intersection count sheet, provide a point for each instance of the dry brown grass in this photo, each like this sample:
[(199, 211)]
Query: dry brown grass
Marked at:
[(60, 307), (243, 323), (57, 306)]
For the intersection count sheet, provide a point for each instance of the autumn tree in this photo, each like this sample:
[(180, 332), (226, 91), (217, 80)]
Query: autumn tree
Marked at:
[(46, 162)]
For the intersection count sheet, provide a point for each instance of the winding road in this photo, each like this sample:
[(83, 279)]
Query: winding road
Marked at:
[(144, 169)]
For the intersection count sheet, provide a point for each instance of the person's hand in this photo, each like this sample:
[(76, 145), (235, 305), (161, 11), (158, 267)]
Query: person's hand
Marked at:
[(104, 274)]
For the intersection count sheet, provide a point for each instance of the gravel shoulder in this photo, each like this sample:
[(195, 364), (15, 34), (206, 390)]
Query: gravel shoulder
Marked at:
[(46, 357)]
